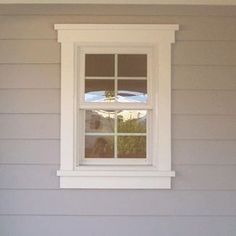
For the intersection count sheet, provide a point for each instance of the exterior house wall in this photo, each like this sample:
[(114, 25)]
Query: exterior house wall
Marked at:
[(202, 200)]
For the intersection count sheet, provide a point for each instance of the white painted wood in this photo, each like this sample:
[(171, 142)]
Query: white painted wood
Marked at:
[(111, 27), (90, 34), (78, 39), (116, 161), (128, 182), (163, 103), (117, 172), (114, 105), (67, 107)]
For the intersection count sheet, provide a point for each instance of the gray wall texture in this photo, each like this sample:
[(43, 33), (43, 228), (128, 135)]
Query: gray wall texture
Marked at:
[(203, 198)]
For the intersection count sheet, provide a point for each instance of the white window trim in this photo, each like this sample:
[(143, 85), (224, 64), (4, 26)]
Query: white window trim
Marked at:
[(155, 176)]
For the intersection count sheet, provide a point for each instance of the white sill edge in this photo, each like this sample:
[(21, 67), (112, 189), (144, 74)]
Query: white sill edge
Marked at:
[(105, 173), (115, 182)]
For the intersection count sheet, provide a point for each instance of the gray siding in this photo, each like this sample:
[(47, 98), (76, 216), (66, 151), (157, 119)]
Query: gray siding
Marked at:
[(203, 198)]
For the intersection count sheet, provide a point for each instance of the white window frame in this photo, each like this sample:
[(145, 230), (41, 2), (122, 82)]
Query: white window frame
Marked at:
[(157, 174), (113, 49)]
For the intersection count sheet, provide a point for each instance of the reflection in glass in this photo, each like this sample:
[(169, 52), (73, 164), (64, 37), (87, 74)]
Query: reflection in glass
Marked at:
[(132, 65), (131, 146), (132, 91), (99, 65), (99, 90), (99, 121), (99, 146), (132, 121)]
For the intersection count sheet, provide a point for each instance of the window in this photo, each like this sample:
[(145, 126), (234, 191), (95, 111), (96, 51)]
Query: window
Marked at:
[(115, 106)]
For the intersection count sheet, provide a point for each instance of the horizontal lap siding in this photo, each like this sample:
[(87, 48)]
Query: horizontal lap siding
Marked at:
[(46, 126), (204, 77), (188, 177), (122, 225), (204, 152), (203, 127), (31, 126), (38, 76), (30, 100), (117, 202), (184, 52), (185, 152), (138, 10), (41, 27), (183, 101), (29, 51), (29, 151), (204, 102), (202, 200)]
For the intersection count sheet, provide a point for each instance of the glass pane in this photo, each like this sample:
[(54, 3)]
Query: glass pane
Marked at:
[(132, 91), (99, 146), (99, 121), (99, 65), (99, 90), (132, 121), (132, 65), (131, 146)]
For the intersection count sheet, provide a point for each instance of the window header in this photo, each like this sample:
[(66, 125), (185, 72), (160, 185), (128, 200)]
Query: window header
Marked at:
[(117, 26), (87, 34)]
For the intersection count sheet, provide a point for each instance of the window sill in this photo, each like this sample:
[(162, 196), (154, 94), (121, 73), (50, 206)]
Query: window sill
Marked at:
[(124, 179)]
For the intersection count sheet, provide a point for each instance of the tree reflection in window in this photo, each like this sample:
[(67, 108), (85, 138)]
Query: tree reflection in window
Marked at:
[(99, 147)]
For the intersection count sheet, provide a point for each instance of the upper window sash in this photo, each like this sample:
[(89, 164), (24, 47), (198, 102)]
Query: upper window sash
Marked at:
[(115, 49)]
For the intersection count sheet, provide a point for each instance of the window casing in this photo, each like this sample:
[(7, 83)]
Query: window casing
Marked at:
[(115, 116)]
